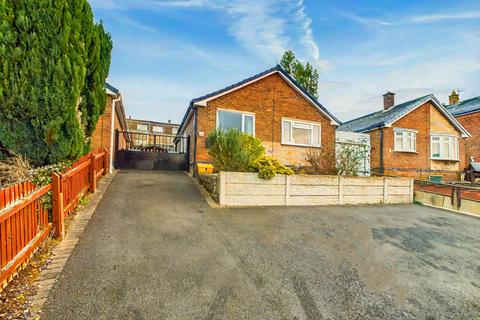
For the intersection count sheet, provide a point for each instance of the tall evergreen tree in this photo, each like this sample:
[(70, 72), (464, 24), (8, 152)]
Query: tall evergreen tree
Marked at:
[(49, 49), (305, 74)]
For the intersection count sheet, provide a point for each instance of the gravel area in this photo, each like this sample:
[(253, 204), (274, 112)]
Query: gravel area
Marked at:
[(154, 249)]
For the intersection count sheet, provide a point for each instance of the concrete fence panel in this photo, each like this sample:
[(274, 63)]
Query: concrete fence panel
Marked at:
[(246, 189)]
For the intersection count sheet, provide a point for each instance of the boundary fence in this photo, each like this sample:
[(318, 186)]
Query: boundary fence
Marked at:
[(24, 220)]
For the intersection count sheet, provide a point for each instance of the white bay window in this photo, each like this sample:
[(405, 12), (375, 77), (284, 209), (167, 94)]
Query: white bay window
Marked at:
[(243, 122), (301, 133), (405, 140), (444, 147)]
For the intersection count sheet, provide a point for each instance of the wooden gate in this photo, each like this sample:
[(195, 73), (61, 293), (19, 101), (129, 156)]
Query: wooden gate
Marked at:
[(145, 151)]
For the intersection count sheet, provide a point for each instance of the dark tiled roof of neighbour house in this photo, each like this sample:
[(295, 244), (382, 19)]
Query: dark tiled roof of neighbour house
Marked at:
[(465, 107), (111, 88), (382, 118), (257, 76)]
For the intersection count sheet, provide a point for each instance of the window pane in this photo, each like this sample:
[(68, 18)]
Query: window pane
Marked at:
[(316, 135), (142, 127), (229, 120), (248, 126), (301, 136), (301, 125), (157, 129), (286, 131), (407, 142), (446, 148), (398, 142), (435, 149)]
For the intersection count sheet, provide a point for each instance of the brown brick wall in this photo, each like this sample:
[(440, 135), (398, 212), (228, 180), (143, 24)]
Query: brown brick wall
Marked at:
[(471, 122), (103, 132), (426, 119), (270, 98)]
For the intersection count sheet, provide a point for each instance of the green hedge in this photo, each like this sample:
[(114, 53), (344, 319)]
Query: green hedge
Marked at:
[(54, 60)]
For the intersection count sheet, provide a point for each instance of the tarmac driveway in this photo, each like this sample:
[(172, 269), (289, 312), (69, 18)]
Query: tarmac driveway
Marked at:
[(154, 249)]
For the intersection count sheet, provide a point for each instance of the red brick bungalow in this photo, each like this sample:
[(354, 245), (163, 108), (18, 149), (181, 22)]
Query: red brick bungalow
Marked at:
[(271, 106), (418, 138), (467, 112)]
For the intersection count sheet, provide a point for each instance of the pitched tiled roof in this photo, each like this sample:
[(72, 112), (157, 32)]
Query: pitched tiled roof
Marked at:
[(382, 118), (465, 107), (111, 88), (277, 68)]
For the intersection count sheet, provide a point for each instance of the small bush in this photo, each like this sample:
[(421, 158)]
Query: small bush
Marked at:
[(268, 167), (233, 150), (321, 162)]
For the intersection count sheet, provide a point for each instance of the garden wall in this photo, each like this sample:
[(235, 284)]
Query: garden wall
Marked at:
[(246, 189)]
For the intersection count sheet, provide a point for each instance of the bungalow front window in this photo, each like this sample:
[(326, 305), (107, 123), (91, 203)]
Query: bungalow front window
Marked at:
[(444, 147), (405, 140), (301, 133), (244, 122)]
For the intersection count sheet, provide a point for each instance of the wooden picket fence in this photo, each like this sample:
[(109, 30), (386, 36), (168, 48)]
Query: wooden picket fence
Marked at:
[(24, 221)]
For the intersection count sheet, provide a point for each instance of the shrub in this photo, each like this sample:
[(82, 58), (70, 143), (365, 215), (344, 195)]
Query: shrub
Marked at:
[(321, 162), (233, 150), (349, 158), (54, 60), (268, 167)]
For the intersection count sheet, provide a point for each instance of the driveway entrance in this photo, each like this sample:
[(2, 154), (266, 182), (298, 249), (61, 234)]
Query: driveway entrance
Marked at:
[(154, 249), (146, 151)]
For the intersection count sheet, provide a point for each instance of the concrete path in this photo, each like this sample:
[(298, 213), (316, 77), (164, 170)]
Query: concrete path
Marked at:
[(154, 249)]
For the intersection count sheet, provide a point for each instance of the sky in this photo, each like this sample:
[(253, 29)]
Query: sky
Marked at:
[(169, 52)]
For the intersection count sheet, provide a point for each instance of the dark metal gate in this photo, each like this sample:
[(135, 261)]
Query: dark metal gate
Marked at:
[(146, 151)]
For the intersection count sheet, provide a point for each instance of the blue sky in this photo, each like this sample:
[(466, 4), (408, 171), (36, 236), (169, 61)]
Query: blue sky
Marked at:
[(168, 52)]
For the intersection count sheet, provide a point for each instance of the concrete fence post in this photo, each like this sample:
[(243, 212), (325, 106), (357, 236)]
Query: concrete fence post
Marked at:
[(57, 206), (93, 174), (222, 183), (340, 189), (412, 189), (287, 190), (385, 190)]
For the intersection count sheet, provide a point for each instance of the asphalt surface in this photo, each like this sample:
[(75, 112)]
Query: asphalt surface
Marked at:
[(154, 249)]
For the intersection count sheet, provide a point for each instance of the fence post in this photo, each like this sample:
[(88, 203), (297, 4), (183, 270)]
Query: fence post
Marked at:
[(221, 188), (106, 161), (287, 190), (93, 174), (412, 187), (57, 206), (340, 189), (385, 190)]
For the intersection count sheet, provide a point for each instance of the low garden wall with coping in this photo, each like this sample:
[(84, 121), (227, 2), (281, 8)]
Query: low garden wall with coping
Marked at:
[(247, 189)]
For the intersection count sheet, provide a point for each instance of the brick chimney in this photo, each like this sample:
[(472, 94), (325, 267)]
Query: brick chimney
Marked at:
[(388, 100), (453, 97)]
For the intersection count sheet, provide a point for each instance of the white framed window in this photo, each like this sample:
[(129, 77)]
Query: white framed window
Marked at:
[(301, 133), (142, 127), (174, 130), (244, 122), (157, 129), (405, 140), (444, 147)]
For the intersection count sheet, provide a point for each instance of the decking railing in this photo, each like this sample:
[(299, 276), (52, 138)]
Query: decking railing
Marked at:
[(24, 220)]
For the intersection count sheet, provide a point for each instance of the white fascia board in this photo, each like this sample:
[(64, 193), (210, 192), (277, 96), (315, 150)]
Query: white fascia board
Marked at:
[(203, 102)]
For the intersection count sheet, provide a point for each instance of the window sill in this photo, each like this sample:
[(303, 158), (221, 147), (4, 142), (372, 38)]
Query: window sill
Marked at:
[(299, 145), (445, 159), (402, 151)]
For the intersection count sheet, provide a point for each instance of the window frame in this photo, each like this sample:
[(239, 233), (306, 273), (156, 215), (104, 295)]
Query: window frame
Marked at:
[(243, 113), (453, 144), (174, 130), (405, 132), (303, 122), (159, 127), (142, 124)]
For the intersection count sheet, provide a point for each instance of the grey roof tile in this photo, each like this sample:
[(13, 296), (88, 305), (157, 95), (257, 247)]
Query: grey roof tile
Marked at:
[(381, 118), (465, 107)]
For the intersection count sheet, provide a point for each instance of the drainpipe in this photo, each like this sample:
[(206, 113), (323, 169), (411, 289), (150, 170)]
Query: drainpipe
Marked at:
[(114, 103), (195, 126), (382, 169)]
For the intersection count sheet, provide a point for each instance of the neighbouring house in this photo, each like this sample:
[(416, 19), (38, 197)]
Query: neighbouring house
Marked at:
[(148, 134), (467, 112), (271, 106), (417, 138), (111, 120)]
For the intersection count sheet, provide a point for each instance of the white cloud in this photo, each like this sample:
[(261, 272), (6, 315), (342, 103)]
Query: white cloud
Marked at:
[(368, 22), (466, 15)]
